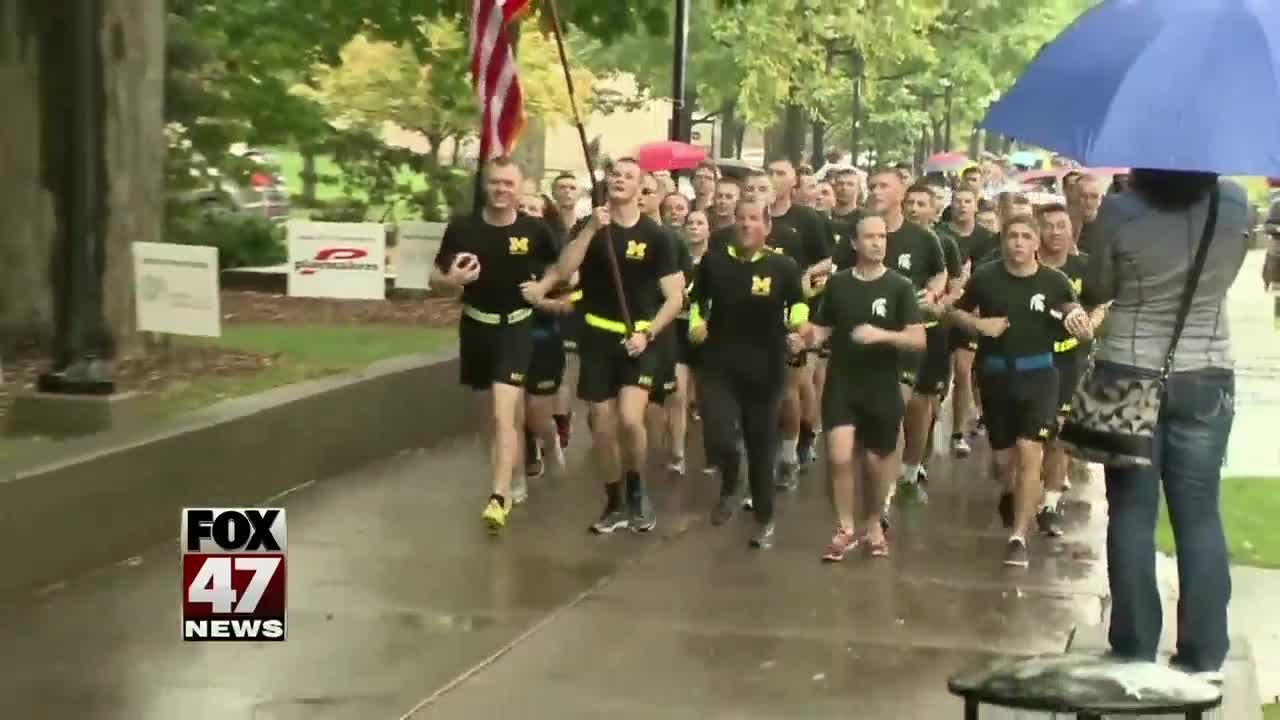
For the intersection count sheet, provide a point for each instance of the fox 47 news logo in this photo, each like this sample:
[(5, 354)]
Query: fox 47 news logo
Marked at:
[(233, 574)]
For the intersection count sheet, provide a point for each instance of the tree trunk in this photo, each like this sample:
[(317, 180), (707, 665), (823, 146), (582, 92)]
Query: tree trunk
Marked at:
[(728, 128), (309, 176), (133, 65), (793, 135)]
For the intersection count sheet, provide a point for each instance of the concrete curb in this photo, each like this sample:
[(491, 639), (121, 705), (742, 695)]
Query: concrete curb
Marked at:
[(106, 497)]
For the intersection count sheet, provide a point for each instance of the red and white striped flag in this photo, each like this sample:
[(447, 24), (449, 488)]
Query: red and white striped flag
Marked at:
[(493, 72)]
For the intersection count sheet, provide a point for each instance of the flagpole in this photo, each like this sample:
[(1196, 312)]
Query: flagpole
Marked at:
[(596, 199)]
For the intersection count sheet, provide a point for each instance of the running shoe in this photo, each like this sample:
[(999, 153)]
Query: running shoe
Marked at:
[(960, 448), (786, 480), (534, 467), (724, 511), (676, 466), (642, 518), (1049, 520), (1015, 553), (804, 455), (495, 514), (519, 489), (747, 502), (841, 544), (613, 519), (763, 537)]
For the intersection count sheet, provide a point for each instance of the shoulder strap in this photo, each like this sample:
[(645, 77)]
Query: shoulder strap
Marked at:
[(1193, 280)]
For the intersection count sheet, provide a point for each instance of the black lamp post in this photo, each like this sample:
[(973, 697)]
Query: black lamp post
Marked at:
[(680, 129)]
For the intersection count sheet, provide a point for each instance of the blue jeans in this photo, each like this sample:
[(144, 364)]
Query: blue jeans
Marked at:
[(1190, 443)]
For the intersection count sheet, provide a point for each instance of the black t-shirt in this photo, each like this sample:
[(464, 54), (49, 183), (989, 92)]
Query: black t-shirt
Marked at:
[(746, 303), (508, 256), (803, 235), (1026, 301), (888, 302), (645, 256), (844, 229), (1074, 268), (976, 246), (951, 257), (915, 253)]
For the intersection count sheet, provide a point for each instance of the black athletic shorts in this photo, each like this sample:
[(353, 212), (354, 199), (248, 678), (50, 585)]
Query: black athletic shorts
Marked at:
[(934, 375), (909, 367), (606, 367), (687, 352), (1019, 405), (873, 408), (959, 339), (797, 360), (489, 354), (571, 329), (546, 367), (1071, 366), (668, 348)]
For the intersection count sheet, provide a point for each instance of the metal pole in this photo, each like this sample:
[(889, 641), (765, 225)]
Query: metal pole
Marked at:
[(679, 131)]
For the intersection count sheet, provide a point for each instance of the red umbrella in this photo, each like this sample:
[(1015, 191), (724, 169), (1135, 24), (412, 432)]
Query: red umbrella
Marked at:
[(669, 155), (947, 162)]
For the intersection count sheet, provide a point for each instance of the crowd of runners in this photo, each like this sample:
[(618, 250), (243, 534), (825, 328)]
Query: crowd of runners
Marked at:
[(759, 314)]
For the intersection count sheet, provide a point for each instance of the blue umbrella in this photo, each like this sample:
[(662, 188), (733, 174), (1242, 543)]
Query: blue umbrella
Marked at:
[(1025, 158), (1165, 84)]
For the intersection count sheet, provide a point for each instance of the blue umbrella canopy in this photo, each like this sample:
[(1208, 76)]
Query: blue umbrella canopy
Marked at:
[(1167, 84)]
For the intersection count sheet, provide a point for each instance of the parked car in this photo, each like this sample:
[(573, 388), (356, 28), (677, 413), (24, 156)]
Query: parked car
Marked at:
[(263, 194)]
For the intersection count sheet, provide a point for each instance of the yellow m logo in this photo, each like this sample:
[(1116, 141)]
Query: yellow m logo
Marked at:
[(1078, 286), (519, 246), (636, 250), (761, 285)]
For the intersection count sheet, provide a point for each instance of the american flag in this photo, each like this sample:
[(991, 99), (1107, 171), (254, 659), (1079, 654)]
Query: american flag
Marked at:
[(493, 72)]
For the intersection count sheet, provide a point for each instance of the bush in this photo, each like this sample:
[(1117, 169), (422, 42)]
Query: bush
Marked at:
[(242, 240), (348, 210)]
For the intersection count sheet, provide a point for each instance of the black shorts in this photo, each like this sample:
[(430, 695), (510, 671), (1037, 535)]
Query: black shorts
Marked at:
[(687, 352), (909, 367), (874, 408), (489, 354), (546, 366), (570, 330), (667, 347), (959, 339), (1071, 366), (1019, 405), (606, 367), (934, 375), (798, 360)]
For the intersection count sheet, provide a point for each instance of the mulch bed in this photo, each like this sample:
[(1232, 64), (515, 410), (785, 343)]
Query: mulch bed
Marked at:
[(152, 369)]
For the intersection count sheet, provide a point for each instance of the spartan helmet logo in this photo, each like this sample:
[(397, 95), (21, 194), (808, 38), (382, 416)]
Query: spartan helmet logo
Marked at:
[(1037, 302), (878, 306), (904, 262)]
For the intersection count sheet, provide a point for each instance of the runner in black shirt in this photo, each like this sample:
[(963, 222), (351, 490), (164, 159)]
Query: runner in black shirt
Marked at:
[(804, 236), (1070, 357), (973, 241), (1020, 308), (747, 304), (916, 254), (688, 354), (755, 187), (489, 257), (618, 368), (871, 317), (728, 193)]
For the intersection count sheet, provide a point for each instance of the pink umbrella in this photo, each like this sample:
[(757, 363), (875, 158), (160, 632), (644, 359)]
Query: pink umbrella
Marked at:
[(669, 155), (947, 162)]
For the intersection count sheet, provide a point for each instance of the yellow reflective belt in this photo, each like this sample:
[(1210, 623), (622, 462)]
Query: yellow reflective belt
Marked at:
[(575, 296), (489, 318), (932, 323), (613, 326), (1066, 345), (799, 315)]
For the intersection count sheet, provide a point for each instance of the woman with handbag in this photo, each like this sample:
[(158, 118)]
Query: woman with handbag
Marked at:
[(1157, 407)]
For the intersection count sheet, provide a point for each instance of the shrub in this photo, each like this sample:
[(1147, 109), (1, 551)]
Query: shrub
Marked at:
[(345, 209), (242, 240)]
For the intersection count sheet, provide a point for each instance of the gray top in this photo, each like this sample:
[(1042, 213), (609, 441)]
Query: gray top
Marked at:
[(1139, 258)]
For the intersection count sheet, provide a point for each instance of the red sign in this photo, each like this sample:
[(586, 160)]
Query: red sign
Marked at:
[(233, 574)]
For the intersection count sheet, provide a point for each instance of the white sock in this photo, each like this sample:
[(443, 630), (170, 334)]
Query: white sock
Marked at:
[(1051, 499), (910, 473), (789, 451)]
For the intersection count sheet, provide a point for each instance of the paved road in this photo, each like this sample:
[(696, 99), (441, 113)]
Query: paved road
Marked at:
[(1256, 342), (401, 606)]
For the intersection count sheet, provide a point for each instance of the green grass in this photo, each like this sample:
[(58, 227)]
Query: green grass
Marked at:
[(1250, 506), (329, 186)]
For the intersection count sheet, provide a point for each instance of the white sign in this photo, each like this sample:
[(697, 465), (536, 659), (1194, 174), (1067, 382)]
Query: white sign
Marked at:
[(347, 261), (416, 250), (176, 289)]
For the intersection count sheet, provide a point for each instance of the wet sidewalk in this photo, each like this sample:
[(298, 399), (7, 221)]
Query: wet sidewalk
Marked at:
[(401, 606)]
